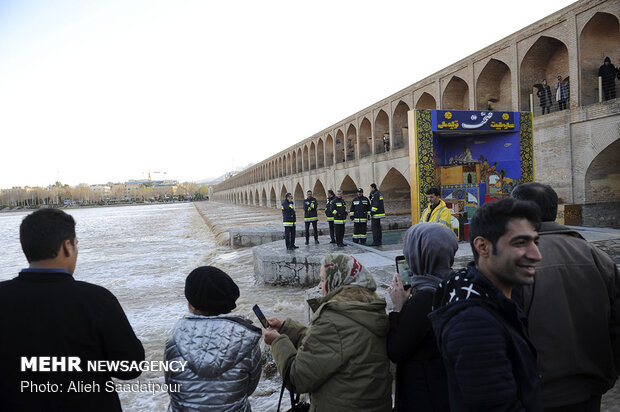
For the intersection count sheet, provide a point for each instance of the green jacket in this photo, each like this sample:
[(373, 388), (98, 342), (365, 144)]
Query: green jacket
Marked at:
[(341, 358)]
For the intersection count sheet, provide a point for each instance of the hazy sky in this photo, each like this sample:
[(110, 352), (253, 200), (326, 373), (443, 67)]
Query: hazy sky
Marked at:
[(98, 91)]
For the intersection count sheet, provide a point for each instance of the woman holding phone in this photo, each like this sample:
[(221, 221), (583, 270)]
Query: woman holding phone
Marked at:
[(421, 383), (340, 359)]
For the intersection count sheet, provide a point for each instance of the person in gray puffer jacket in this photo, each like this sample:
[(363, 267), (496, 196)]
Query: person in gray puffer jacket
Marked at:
[(221, 349)]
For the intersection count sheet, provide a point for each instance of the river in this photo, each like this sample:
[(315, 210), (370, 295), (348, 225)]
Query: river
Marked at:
[(142, 254)]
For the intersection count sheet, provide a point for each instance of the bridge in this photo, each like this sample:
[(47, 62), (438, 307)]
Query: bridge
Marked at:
[(575, 149)]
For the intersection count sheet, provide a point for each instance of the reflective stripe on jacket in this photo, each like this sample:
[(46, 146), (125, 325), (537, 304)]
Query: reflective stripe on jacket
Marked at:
[(377, 210), (310, 210), (441, 214), (288, 213)]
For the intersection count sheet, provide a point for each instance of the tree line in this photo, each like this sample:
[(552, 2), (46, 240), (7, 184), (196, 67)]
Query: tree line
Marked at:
[(113, 193)]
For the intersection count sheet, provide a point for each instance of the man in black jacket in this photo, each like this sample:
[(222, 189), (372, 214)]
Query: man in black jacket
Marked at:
[(289, 220), (480, 331), (360, 207), (340, 217), (573, 312), (329, 213), (377, 212), (311, 217), (52, 326)]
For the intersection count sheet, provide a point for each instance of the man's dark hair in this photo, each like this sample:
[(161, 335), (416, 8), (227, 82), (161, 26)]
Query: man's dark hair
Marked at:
[(373, 185), (491, 219), (433, 191), (331, 192), (543, 195), (43, 232), (309, 191)]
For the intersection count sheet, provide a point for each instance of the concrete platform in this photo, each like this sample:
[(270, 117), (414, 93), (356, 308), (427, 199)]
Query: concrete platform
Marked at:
[(247, 236)]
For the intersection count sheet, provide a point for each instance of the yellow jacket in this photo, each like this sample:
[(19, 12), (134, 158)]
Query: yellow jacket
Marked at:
[(441, 214)]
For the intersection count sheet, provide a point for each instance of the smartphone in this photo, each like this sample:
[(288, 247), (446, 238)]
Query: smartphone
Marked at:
[(260, 316), (402, 268)]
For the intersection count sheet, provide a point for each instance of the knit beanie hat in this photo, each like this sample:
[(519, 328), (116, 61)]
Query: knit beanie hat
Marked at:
[(341, 269), (209, 289)]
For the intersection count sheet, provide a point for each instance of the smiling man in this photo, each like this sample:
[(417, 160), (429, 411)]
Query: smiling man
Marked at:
[(481, 332)]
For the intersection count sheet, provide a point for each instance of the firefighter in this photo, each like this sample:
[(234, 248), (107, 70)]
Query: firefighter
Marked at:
[(360, 208), (329, 212), (340, 217), (311, 217), (288, 219), (377, 212)]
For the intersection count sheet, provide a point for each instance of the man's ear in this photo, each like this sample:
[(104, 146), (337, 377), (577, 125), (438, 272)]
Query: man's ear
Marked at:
[(483, 246), (67, 248)]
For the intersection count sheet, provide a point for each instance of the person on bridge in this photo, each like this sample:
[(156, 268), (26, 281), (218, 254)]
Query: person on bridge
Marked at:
[(289, 220), (340, 217), (377, 212), (573, 311), (437, 211), (360, 208), (329, 212), (608, 73), (311, 217)]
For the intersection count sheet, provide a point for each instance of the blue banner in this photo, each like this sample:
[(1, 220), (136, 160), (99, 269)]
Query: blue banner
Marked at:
[(474, 121)]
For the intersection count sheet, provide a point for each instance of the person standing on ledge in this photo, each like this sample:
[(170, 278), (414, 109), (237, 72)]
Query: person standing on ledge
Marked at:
[(377, 212), (340, 217), (289, 220), (46, 315), (329, 212), (437, 211), (311, 217), (360, 208)]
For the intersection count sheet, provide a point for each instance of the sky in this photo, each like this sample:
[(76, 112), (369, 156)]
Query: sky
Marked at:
[(110, 90)]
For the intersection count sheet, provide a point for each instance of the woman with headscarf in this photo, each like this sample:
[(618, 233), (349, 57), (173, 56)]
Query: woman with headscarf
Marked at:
[(421, 383), (340, 359)]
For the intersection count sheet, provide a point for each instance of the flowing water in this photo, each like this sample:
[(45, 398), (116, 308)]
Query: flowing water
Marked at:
[(142, 254)]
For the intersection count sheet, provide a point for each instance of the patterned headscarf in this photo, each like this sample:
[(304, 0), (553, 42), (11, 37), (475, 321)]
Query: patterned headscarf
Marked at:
[(343, 270)]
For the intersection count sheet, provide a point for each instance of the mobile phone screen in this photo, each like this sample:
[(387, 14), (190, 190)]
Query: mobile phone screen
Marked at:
[(260, 316), (403, 270)]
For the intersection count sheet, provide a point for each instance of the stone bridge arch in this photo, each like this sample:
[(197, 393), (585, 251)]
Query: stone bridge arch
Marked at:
[(283, 193), (546, 59), (329, 151), (426, 102), (351, 143), (312, 160), (306, 159), (349, 188), (382, 125), (400, 127), (273, 202), (263, 198), (494, 87), (320, 151), (456, 95), (339, 147), (320, 193), (599, 38), (365, 145), (299, 196), (396, 192)]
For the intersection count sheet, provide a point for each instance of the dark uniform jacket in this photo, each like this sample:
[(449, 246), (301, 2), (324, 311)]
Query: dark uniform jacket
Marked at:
[(330, 209), (288, 213), (310, 209), (573, 309), (340, 210), (490, 361), (360, 206), (376, 205), (49, 313)]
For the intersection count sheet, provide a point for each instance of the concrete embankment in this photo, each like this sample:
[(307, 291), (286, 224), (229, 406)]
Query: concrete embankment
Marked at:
[(245, 226)]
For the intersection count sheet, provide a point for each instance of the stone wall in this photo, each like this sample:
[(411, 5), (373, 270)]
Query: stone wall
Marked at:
[(601, 215)]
